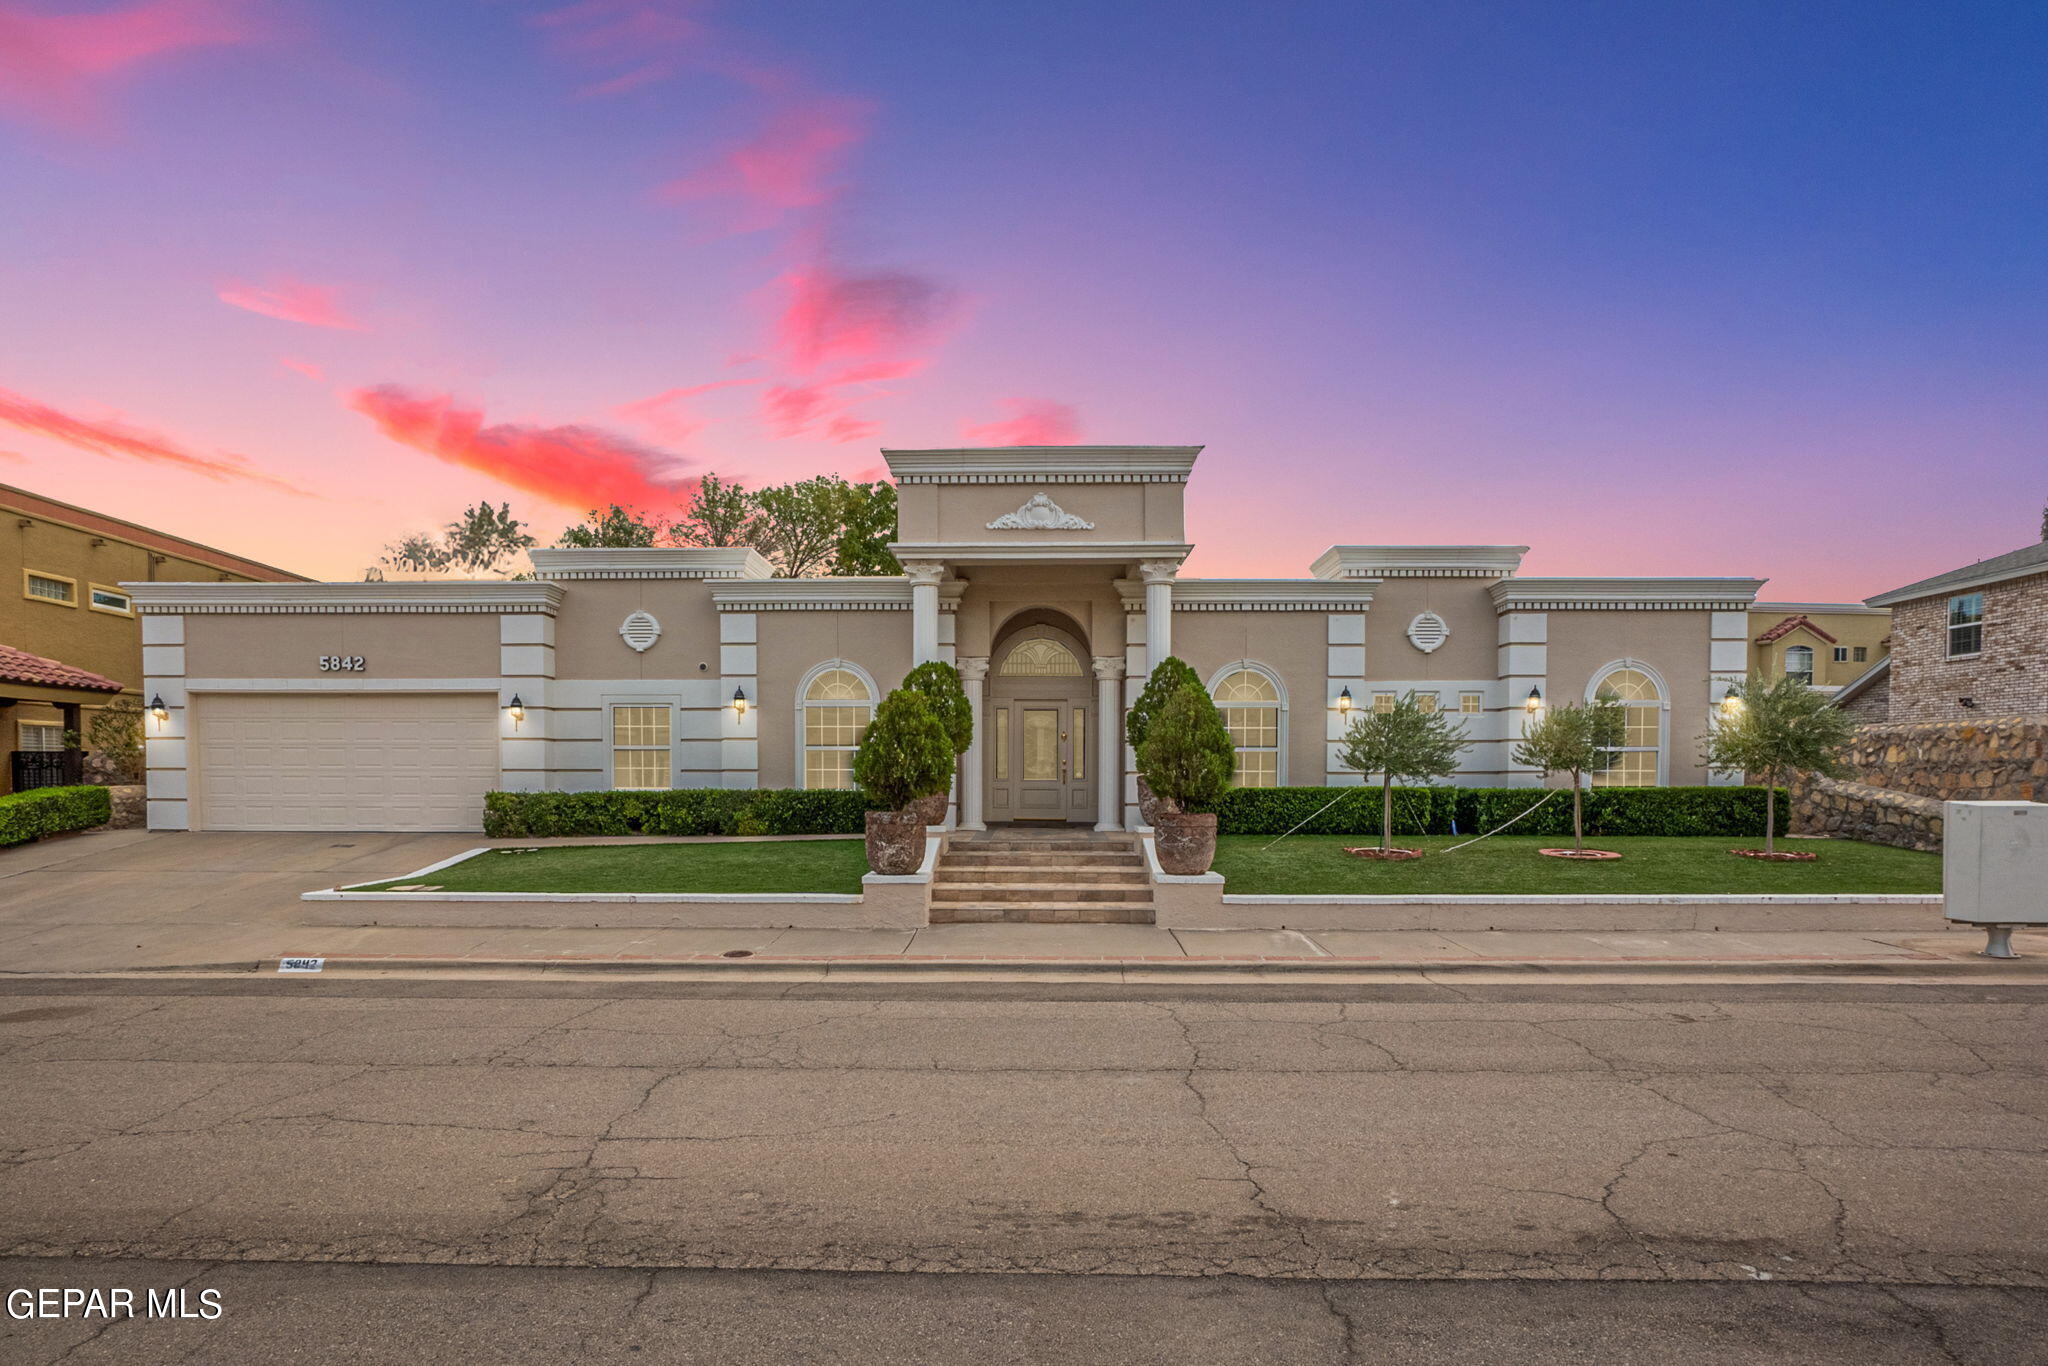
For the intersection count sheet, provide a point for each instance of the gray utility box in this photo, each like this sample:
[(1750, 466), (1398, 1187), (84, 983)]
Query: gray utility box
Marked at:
[(1994, 867)]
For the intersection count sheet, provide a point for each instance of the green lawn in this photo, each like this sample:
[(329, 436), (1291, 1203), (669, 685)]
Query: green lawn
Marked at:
[(826, 865), (1309, 865)]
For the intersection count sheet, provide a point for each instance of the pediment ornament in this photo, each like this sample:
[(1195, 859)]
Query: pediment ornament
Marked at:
[(1040, 513)]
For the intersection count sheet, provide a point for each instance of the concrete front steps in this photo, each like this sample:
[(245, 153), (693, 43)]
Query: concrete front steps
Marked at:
[(1041, 877)]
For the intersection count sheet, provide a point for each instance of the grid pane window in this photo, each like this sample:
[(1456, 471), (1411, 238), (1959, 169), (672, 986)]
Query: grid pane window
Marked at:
[(1425, 702), (1041, 659), (1966, 625), (837, 709), (1251, 713), (1862, 653), (1799, 662), (1471, 703), (1383, 701), (39, 738), (1642, 728), (49, 589), (640, 748)]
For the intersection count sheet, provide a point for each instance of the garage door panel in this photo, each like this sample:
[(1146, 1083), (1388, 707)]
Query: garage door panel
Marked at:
[(345, 761)]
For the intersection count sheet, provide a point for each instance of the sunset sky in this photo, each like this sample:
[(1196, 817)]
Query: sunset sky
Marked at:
[(1670, 288)]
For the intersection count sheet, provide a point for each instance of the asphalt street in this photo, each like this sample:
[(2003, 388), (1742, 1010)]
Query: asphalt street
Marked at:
[(597, 1171)]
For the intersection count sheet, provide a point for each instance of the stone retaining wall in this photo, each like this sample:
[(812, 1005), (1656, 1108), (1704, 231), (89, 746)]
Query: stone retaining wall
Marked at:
[(1860, 811), (1905, 771)]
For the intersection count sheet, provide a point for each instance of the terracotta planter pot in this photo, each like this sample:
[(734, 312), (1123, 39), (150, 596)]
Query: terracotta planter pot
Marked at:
[(895, 841), (1186, 842), (932, 809), (1151, 806)]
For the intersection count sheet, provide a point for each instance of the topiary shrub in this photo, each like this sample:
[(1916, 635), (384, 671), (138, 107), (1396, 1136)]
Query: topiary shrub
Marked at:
[(1187, 756), (41, 811), (906, 753), (1171, 676), (939, 684)]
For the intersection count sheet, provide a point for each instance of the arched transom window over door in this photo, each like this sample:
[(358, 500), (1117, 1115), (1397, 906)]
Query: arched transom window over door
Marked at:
[(837, 709), (1642, 743), (1251, 712), (1040, 658)]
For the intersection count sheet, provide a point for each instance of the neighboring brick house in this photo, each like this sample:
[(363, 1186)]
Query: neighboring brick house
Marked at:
[(1968, 644)]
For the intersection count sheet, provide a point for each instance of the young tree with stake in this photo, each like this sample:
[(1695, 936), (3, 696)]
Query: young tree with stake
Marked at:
[(1404, 741), (1776, 726), (1576, 739)]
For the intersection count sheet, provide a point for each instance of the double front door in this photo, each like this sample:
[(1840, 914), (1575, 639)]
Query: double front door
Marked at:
[(1040, 767)]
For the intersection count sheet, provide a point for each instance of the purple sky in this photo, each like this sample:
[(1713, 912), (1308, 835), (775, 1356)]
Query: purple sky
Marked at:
[(1740, 288)]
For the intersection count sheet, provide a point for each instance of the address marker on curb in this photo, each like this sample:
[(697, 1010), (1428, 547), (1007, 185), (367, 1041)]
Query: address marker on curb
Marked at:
[(300, 964)]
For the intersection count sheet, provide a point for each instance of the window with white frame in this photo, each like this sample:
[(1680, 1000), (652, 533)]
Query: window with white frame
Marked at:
[(1799, 662), (1642, 740), (1384, 702), (1251, 713), (1425, 702), (42, 737), (111, 600), (1841, 654), (1965, 625), (640, 747), (837, 709), (1471, 703)]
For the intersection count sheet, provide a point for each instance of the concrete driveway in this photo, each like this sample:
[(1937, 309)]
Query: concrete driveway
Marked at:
[(112, 899)]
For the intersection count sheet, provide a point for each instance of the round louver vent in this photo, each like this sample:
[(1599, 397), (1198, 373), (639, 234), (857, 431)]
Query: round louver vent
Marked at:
[(1428, 631), (640, 630)]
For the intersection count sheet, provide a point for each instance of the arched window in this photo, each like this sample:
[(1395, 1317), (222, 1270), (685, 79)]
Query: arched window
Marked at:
[(1040, 658), (837, 706), (1642, 741), (1799, 663), (1250, 702)]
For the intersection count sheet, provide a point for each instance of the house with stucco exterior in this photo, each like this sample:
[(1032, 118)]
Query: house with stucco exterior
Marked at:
[(1051, 576)]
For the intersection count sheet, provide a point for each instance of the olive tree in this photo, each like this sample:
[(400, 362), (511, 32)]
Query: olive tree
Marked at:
[(1778, 726), (1404, 741), (1575, 738)]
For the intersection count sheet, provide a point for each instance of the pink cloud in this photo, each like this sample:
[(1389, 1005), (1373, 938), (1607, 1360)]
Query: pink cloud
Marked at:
[(303, 367), (59, 68), (292, 301), (624, 44), (792, 163), (837, 334), (116, 440), (576, 467), (664, 415), (1031, 422)]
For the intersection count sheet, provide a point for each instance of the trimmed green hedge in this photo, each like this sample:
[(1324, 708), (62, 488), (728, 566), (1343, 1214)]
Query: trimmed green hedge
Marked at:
[(41, 811), (684, 811), (1434, 810)]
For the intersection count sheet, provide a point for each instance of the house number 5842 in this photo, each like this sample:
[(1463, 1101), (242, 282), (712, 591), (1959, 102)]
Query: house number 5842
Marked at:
[(352, 664)]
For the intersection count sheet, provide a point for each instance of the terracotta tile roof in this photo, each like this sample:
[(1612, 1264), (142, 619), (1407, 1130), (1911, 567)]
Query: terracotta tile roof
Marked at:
[(1791, 624), (19, 666)]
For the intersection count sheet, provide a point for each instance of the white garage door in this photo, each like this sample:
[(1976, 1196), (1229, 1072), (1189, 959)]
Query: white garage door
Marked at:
[(344, 761)]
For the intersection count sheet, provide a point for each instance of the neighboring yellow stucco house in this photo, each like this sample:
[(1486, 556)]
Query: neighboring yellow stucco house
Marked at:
[(71, 634), (1829, 643)]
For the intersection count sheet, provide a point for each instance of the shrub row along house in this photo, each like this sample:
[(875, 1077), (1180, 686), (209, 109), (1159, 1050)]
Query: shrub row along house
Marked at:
[(1049, 575)]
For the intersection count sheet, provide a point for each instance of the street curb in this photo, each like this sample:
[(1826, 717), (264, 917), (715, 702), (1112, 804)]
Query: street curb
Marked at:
[(712, 966)]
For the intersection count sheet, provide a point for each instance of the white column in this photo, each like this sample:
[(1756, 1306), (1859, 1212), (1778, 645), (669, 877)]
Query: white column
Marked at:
[(1158, 576), (924, 576), (972, 672), (1108, 749)]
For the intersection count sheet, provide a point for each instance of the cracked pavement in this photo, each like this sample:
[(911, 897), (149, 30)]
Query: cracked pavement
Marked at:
[(1888, 1139)]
